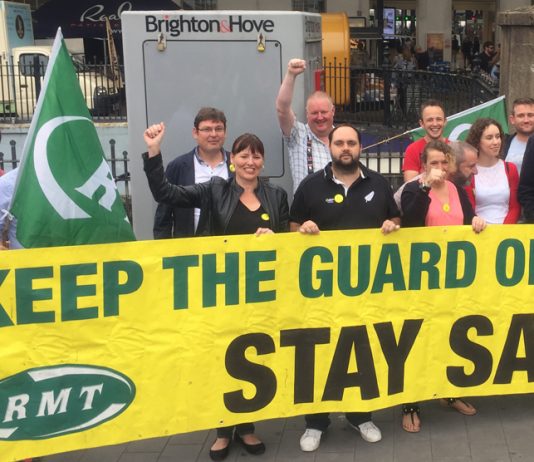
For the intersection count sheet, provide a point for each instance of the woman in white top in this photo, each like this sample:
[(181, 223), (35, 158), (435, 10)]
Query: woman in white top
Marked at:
[(495, 184)]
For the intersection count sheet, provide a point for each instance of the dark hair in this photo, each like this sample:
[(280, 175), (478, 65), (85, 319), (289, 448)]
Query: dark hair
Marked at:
[(518, 101), (488, 43), (331, 134), (209, 113), (248, 140), (478, 127), (437, 145), (429, 103)]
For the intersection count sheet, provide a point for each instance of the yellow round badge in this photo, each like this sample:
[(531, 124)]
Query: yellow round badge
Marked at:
[(446, 208), (265, 216), (338, 198)]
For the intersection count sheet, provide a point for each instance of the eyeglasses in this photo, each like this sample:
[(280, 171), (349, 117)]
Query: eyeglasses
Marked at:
[(207, 130)]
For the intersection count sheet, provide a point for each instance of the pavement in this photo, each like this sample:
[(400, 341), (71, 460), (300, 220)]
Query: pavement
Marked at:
[(502, 431)]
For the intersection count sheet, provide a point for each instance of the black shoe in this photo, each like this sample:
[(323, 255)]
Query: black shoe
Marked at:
[(220, 454), (255, 449)]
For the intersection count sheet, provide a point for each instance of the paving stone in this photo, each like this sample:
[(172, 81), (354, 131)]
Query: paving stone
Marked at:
[(148, 445), (139, 457), (334, 457), (190, 438), (105, 453), (181, 452)]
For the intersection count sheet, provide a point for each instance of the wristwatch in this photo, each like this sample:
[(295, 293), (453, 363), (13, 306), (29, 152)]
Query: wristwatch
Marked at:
[(424, 187)]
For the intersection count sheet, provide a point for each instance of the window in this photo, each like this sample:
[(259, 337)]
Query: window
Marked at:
[(28, 61), (313, 6), (205, 4)]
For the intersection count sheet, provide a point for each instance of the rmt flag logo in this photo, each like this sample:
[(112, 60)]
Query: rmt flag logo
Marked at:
[(177, 26)]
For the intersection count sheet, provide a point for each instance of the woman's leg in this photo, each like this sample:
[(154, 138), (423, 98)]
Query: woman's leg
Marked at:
[(410, 417)]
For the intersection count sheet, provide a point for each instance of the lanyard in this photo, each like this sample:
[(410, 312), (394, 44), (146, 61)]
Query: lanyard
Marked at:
[(309, 155)]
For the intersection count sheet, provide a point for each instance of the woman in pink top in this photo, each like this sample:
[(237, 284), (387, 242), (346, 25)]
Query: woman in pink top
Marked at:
[(435, 201)]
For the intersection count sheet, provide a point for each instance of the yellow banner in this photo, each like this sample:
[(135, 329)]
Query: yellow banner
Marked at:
[(109, 343)]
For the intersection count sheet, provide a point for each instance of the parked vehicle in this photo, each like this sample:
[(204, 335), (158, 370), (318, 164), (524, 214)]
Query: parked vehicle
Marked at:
[(23, 64)]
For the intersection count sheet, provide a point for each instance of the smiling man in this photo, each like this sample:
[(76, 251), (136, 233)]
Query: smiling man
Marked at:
[(307, 144), (432, 120), (344, 195), (206, 160), (522, 119)]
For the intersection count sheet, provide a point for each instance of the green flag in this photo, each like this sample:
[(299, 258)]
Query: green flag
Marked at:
[(65, 193), (459, 124)]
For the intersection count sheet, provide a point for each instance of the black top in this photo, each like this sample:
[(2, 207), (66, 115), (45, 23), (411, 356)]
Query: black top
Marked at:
[(525, 190), (216, 199), (246, 221), (367, 204), (179, 221)]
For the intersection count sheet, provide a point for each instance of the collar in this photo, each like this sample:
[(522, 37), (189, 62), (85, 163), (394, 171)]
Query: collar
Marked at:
[(328, 173), (310, 134), (201, 161)]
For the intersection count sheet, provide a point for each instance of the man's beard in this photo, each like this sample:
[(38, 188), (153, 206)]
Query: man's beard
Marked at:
[(344, 167), (459, 179)]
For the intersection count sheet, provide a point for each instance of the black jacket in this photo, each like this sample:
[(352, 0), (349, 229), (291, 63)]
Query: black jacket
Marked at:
[(178, 221), (415, 203), (217, 199), (525, 190)]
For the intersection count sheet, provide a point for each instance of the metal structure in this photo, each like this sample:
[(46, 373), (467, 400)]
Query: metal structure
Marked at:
[(392, 97), (21, 85)]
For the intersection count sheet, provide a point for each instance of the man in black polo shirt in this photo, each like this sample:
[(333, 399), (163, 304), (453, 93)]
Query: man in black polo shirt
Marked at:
[(344, 195)]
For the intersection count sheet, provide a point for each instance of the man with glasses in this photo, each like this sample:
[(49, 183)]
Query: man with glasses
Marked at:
[(307, 144), (207, 159)]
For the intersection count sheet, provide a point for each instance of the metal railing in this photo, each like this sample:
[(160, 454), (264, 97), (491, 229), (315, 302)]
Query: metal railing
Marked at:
[(392, 97), (20, 85), (118, 163)]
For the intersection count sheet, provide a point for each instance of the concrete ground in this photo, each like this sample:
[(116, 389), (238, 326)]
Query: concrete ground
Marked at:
[(502, 431)]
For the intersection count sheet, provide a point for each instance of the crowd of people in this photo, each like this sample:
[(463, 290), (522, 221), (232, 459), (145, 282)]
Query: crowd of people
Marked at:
[(467, 54), (488, 179), (472, 183)]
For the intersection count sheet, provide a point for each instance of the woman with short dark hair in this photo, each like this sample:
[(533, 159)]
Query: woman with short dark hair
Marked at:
[(244, 204)]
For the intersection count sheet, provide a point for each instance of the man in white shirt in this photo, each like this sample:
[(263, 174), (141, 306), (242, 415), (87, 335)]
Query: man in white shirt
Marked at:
[(207, 159)]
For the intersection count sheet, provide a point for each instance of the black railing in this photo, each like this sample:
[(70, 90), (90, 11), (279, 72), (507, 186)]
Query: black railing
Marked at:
[(20, 86), (392, 97), (117, 162)]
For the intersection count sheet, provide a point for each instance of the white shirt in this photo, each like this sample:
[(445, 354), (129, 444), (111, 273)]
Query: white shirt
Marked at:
[(516, 151), (7, 189), (492, 193), (204, 172)]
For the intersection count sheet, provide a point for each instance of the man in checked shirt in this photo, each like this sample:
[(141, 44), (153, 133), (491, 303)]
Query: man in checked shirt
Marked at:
[(307, 144)]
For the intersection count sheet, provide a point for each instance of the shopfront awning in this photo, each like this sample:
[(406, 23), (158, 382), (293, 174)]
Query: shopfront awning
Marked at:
[(85, 18)]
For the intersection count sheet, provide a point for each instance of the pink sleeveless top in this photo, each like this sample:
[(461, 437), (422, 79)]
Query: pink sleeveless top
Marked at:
[(444, 214)]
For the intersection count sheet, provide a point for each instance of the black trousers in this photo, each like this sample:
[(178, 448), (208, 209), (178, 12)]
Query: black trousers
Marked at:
[(241, 430), (322, 421)]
